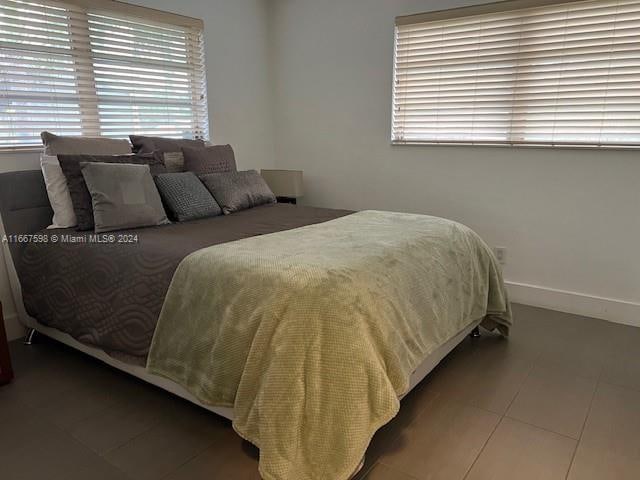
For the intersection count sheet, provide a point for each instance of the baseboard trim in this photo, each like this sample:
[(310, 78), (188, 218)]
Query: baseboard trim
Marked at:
[(13, 327), (611, 309)]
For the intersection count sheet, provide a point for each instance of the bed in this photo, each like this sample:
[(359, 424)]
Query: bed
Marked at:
[(117, 301)]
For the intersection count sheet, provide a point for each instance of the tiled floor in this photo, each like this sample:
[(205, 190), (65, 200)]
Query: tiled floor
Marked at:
[(559, 400)]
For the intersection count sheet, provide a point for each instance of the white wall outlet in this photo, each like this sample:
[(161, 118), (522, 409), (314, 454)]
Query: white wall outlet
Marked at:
[(501, 254)]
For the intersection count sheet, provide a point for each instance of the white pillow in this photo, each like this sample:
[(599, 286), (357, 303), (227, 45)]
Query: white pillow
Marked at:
[(58, 193)]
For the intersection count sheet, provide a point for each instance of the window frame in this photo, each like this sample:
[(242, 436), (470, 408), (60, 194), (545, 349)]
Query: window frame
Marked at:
[(504, 6), (131, 12)]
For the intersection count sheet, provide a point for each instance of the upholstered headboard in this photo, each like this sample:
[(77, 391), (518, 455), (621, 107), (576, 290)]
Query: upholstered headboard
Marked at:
[(24, 207)]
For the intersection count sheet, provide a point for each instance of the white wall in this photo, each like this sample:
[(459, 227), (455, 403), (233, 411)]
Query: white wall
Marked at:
[(570, 219), (239, 93)]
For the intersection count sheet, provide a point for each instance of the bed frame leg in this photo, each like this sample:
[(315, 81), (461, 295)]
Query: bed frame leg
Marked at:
[(31, 333), (475, 333)]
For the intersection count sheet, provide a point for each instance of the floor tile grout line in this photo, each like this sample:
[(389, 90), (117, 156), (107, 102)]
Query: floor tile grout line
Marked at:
[(524, 380), (154, 424), (559, 366), (71, 437), (484, 445), (595, 380), (196, 454), (127, 442), (584, 424), (548, 430), (393, 467), (78, 442), (463, 401), (412, 477), (97, 413), (499, 422), (363, 473), (434, 397), (618, 385), (519, 390)]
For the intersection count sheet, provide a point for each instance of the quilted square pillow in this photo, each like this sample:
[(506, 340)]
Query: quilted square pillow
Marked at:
[(186, 197)]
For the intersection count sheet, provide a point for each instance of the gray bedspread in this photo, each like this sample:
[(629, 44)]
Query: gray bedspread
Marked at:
[(110, 295)]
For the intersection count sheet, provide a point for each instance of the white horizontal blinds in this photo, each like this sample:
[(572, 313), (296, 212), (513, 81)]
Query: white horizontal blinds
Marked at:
[(73, 69), (565, 74), (149, 77), (38, 85)]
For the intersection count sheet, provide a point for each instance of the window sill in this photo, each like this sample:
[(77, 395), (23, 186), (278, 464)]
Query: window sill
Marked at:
[(7, 150), (516, 145)]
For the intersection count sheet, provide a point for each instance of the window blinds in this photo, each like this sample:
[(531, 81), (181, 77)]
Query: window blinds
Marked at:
[(555, 75), (72, 68)]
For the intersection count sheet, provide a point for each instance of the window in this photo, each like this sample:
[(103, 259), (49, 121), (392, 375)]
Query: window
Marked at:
[(552, 75), (79, 70)]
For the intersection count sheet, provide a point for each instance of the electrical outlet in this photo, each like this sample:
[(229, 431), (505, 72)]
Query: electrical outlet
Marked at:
[(501, 255)]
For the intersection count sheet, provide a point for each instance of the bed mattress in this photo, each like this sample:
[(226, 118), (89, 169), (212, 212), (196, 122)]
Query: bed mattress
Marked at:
[(108, 291)]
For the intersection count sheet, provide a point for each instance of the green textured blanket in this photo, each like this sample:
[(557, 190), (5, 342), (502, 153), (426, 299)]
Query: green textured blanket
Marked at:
[(312, 334)]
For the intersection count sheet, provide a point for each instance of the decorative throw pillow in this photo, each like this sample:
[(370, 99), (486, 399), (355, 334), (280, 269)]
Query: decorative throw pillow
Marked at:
[(213, 159), (58, 144), (171, 149), (58, 193), (80, 196), (235, 191), (123, 196), (186, 197)]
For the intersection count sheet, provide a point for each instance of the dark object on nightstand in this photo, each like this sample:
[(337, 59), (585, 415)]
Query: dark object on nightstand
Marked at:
[(286, 185), (6, 372), (287, 200)]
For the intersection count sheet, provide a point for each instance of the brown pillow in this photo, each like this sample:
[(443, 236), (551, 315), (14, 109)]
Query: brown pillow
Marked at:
[(171, 149), (80, 196), (214, 159), (145, 144), (67, 145)]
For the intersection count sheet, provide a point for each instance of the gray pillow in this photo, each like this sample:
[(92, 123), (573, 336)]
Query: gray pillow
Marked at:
[(171, 149), (123, 196), (235, 191), (186, 197), (80, 197), (214, 159), (57, 144)]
